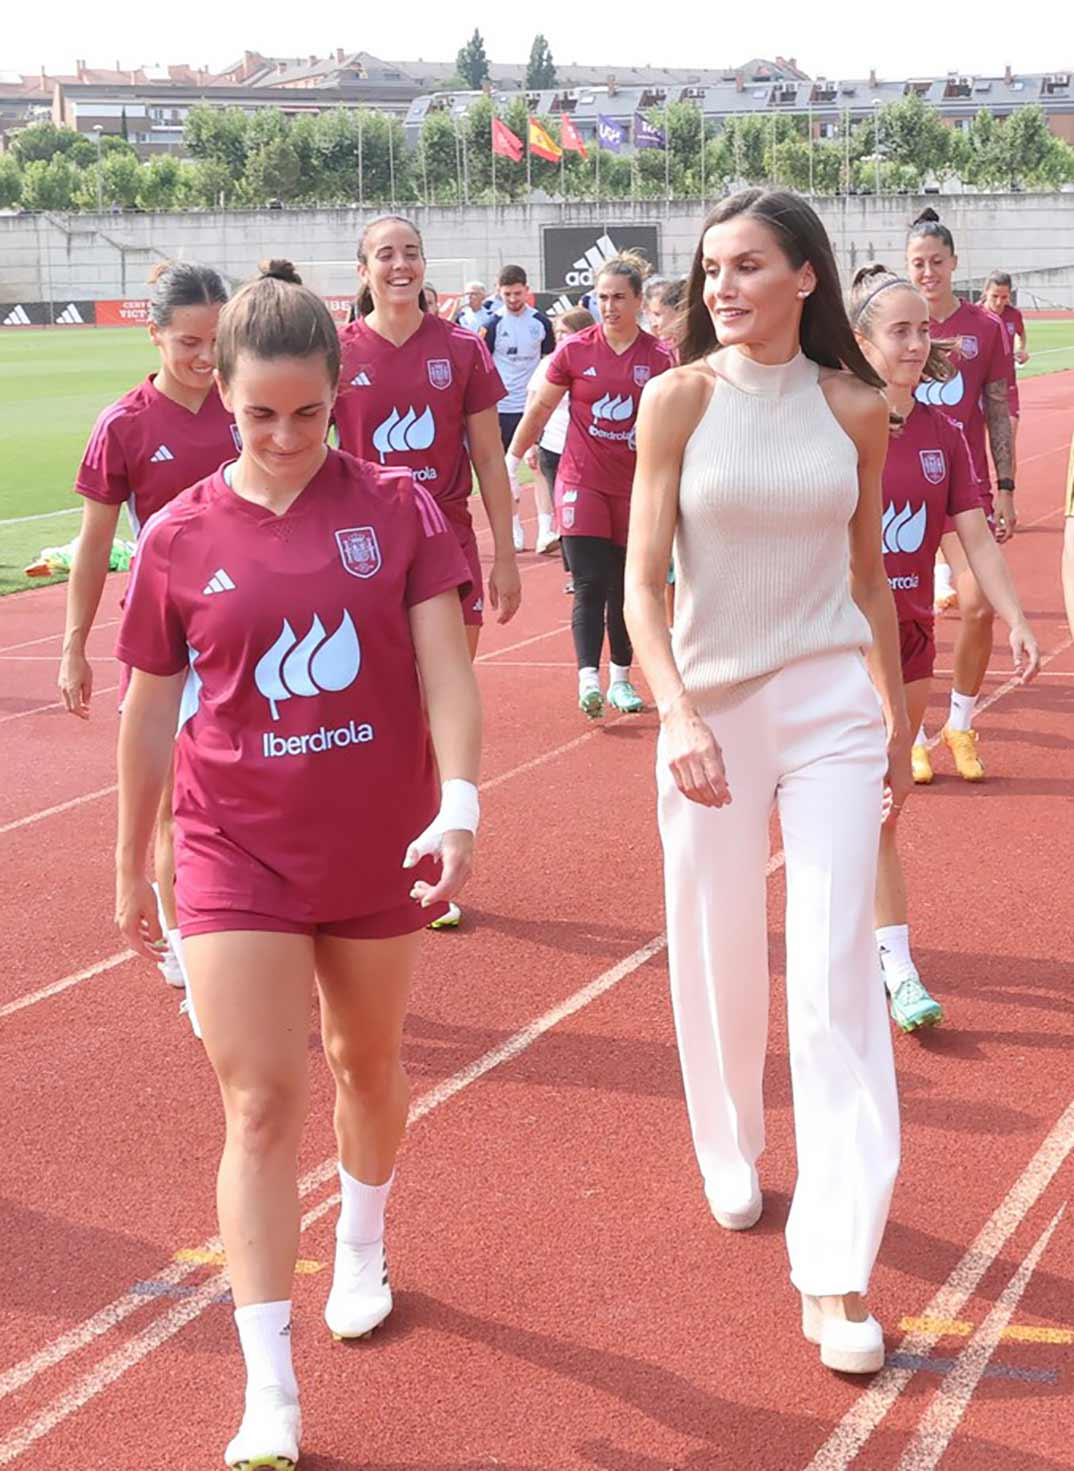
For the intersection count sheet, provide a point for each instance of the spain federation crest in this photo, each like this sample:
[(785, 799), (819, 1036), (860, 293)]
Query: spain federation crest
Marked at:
[(439, 372), (359, 550), (968, 347), (642, 373), (933, 465)]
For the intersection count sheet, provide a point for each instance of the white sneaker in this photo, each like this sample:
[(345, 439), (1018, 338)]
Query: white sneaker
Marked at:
[(269, 1434), (170, 968), (849, 1348), (548, 541), (518, 536), (739, 1217), (361, 1295)]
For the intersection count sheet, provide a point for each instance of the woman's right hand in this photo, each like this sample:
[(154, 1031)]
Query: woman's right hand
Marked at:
[(76, 683), (137, 917), (530, 457), (695, 758)]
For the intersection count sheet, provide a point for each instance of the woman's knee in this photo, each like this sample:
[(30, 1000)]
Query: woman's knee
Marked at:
[(369, 1074), (264, 1116)]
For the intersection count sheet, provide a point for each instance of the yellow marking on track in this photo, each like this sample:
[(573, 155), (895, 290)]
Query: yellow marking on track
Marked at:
[(1014, 1333), (303, 1266)]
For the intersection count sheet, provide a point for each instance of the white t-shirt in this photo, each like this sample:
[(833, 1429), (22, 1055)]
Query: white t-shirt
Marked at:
[(554, 438)]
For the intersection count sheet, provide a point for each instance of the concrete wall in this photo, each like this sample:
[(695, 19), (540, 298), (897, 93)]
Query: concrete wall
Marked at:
[(45, 257)]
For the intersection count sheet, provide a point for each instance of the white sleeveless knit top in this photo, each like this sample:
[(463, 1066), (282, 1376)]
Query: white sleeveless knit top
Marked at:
[(762, 557)]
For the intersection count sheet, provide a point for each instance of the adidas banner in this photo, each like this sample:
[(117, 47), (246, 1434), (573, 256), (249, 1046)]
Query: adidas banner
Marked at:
[(64, 313), (572, 255)]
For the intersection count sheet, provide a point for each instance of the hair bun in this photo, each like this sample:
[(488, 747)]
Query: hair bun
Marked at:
[(161, 268), (866, 273), (927, 216), (280, 270)]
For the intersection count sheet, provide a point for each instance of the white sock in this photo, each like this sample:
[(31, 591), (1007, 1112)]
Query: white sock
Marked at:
[(942, 583), (921, 739), (893, 942), (618, 673), (544, 523), (265, 1336), (588, 679), (961, 716), (516, 521), (361, 1213), (175, 940)]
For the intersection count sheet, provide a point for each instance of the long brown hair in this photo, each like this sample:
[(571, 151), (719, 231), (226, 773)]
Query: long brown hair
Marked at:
[(364, 301), (825, 333), (870, 283)]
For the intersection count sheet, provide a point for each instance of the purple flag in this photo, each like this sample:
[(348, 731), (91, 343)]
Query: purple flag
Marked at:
[(646, 135), (610, 134)]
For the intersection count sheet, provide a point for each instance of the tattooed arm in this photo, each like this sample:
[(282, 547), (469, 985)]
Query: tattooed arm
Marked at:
[(998, 419)]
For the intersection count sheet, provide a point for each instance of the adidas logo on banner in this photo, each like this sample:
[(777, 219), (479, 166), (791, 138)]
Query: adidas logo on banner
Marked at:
[(361, 380), (219, 582), (590, 373), (17, 317), (71, 317), (560, 305), (162, 454), (587, 266)]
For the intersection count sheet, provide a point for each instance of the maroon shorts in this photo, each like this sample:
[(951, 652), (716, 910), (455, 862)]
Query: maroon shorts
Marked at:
[(917, 646), (472, 597), (592, 513), (387, 925)]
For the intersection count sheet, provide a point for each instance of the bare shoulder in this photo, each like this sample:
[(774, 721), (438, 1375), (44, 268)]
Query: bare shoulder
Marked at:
[(861, 410), (682, 395)]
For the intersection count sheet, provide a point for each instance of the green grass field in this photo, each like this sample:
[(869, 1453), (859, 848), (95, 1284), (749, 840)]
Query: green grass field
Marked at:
[(53, 384)]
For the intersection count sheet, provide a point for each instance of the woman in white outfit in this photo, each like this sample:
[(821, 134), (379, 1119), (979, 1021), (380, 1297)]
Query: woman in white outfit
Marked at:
[(759, 464)]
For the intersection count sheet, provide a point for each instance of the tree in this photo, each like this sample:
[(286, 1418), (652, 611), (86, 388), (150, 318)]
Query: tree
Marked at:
[(472, 63), (113, 143), (205, 183), (541, 69), (273, 172), (39, 142), (986, 164), (51, 185), (1055, 168), (1028, 143), (913, 136), (219, 135), (10, 181), (442, 149), (159, 183)]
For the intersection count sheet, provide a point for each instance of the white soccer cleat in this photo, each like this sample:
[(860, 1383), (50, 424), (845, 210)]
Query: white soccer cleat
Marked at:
[(361, 1295), (269, 1434), (171, 970), (548, 541), (518, 536)]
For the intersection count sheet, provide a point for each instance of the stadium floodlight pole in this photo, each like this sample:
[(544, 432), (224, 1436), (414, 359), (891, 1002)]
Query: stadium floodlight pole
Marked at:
[(667, 154), (391, 160), (361, 162), (701, 120), (809, 124), (846, 150), (100, 182), (424, 172), (876, 140)]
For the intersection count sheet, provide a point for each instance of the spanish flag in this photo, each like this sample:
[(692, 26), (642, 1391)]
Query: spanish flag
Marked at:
[(543, 144)]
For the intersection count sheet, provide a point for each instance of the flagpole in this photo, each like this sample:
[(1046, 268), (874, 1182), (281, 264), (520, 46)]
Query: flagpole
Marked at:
[(492, 136), (529, 158), (361, 170), (667, 155), (391, 163), (598, 162), (701, 116)]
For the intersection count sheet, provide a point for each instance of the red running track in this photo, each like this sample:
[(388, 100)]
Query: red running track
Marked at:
[(563, 1298)]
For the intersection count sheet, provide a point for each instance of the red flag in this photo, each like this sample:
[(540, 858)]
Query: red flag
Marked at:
[(570, 138), (505, 143)]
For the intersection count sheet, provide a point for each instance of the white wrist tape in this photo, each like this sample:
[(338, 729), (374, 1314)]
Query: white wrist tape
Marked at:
[(460, 811), (513, 462)]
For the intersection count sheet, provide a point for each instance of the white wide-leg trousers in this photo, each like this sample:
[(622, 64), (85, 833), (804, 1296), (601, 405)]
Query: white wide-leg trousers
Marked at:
[(810, 738)]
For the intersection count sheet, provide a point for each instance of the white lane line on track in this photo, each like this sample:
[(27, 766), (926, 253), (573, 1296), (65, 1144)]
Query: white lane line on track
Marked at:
[(55, 705), (48, 637), (867, 1413), (522, 644), (31, 818), (47, 515), (176, 1318), (68, 981), (951, 1401)]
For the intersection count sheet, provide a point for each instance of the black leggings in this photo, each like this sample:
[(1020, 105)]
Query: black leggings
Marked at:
[(597, 566)]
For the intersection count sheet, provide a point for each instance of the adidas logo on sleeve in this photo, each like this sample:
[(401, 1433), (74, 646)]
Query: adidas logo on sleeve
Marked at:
[(161, 456), (590, 373), (361, 380), (219, 582)]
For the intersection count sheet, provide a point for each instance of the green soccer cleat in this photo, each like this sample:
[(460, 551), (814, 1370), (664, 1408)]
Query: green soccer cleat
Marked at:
[(622, 696), (591, 703), (912, 1006), (448, 921)]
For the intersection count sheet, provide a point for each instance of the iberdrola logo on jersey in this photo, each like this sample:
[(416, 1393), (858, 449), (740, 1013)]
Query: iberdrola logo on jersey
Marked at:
[(303, 668)]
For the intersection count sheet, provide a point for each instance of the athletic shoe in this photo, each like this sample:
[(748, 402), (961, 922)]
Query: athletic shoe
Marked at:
[(739, 1218), (186, 1008), (518, 536), (448, 921), (849, 1348), (963, 747), (913, 1007), (622, 696), (548, 541), (920, 765), (590, 703), (269, 1434), (361, 1296), (568, 587), (170, 968)]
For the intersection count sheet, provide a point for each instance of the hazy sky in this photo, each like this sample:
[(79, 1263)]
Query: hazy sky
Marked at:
[(834, 39)]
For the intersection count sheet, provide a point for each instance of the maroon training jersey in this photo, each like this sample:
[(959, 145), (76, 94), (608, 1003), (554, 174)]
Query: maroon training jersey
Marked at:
[(407, 406), (605, 390), (928, 476), (146, 448), (304, 766), (981, 355)]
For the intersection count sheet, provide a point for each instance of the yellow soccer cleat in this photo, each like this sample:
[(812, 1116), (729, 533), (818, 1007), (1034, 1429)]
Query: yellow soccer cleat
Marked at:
[(920, 765), (963, 747)]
